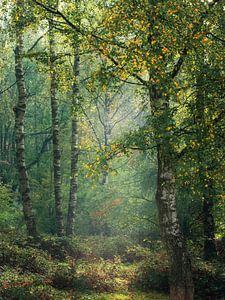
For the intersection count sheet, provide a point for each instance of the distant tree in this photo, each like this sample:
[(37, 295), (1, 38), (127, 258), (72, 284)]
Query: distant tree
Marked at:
[(70, 229), (20, 110), (55, 131)]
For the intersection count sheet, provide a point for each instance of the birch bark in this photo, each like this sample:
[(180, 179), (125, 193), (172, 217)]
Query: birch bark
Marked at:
[(70, 228), (19, 111), (55, 133), (181, 284)]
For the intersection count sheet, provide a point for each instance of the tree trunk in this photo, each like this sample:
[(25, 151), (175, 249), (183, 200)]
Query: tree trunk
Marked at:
[(208, 222), (55, 134), (107, 133), (19, 111), (181, 285), (206, 183), (1, 151), (70, 228)]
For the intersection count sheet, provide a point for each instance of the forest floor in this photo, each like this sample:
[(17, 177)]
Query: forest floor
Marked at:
[(138, 295), (94, 268)]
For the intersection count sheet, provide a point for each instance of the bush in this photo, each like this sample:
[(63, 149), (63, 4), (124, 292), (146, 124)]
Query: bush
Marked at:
[(106, 247), (14, 285), (137, 253), (64, 276), (209, 280), (26, 259), (10, 213), (78, 247), (61, 248), (153, 273), (104, 275)]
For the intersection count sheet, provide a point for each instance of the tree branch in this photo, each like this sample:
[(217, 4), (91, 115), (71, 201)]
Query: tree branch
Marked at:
[(215, 37), (37, 41), (8, 88), (73, 26), (92, 127), (184, 52)]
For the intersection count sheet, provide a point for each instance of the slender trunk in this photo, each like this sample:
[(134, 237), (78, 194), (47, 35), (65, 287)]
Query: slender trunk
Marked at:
[(55, 134), (9, 143), (20, 110), (107, 134), (6, 141), (13, 148), (208, 223), (70, 229), (105, 174), (181, 284), (36, 136), (1, 151), (1, 140), (206, 183), (209, 247)]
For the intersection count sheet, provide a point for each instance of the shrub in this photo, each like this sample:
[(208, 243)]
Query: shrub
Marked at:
[(153, 272), (61, 248), (137, 253), (209, 280), (64, 276), (27, 259), (10, 213), (106, 247), (14, 285), (104, 275)]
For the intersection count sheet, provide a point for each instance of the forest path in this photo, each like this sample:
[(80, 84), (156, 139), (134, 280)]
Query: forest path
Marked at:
[(127, 296)]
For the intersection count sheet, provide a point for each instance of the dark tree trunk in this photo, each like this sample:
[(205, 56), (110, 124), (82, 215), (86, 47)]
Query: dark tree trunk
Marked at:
[(206, 183), (208, 222), (20, 110), (55, 134), (70, 228)]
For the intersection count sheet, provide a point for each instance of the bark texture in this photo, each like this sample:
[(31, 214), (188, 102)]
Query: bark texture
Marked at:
[(55, 134), (19, 111), (70, 228), (181, 284)]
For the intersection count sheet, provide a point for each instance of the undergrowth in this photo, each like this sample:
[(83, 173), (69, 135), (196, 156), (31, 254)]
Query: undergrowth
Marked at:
[(92, 268)]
